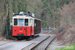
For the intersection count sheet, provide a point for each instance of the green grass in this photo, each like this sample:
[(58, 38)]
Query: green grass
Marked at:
[(68, 47)]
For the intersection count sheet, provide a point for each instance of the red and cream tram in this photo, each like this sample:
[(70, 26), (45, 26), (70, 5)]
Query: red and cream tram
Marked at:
[(25, 25)]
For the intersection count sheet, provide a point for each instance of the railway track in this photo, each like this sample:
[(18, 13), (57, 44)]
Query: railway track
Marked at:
[(40, 43), (44, 44), (16, 40), (27, 39)]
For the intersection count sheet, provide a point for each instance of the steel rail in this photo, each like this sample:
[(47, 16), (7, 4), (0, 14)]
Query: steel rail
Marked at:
[(44, 44)]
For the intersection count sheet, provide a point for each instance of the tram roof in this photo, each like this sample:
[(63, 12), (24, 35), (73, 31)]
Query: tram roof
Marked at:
[(25, 16)]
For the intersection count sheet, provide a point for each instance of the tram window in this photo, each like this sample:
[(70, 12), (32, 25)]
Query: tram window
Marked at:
[(15, 21), (21, 22), (26, 22)]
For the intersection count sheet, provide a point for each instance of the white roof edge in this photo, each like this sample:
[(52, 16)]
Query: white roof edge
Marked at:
[(37, 19), (25, 16)]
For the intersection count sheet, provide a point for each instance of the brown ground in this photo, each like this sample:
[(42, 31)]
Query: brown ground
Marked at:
[(66, 34), (57, 35)]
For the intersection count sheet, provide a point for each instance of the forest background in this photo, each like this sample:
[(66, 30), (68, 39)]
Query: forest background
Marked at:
[(53, 13)]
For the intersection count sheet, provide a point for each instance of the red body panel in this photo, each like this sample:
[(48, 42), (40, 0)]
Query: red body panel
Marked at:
[(26, 30)]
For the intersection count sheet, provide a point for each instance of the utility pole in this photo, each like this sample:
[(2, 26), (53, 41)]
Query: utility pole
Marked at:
[(54, 22)]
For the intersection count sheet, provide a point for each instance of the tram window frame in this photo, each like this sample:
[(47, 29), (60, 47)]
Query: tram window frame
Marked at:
[(15, 24), (26, 24)]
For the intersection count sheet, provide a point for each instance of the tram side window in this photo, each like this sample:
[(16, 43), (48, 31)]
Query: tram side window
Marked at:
[(15, 21), (26, 22)]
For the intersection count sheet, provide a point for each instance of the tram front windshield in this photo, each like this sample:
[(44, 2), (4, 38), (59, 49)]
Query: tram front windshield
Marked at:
[(21, 22)]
